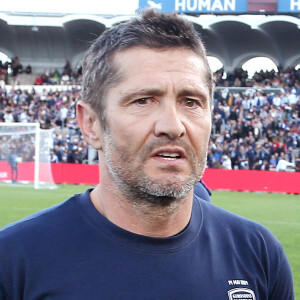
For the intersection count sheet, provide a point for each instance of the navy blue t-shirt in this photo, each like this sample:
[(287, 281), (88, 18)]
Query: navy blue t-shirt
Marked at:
[(202, 191), (72, 252)]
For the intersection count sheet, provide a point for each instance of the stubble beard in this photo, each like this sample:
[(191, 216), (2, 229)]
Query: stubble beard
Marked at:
[(142, 190)]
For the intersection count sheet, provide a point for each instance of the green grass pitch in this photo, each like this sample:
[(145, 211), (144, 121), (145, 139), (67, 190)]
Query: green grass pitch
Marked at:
[(279, 212)]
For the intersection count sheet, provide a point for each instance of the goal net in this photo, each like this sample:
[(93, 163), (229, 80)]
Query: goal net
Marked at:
[(25, 155)]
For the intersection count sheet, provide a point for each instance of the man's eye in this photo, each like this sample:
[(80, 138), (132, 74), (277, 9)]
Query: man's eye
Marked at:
[(193, 103), (142, 101)]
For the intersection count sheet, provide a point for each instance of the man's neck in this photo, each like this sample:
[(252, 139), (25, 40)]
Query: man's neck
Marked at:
[(148, 220)]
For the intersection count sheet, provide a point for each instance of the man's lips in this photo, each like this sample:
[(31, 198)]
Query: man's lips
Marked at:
[(169, 154)]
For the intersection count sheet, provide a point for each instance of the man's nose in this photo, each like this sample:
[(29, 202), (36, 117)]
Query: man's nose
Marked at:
[(169, 122)]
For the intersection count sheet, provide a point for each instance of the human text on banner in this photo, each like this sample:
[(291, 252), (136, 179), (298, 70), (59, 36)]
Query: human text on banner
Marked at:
[(196, 6)]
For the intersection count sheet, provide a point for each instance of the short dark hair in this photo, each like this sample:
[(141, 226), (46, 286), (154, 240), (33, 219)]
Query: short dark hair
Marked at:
[(151, 30)]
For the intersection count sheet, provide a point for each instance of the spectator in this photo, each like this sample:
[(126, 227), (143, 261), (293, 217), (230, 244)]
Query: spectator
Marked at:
[(251, 156), (265, 165), (16, 69), (226, 162), (63, 113), (8, 116), (283, 165), (28, 69), (68, 68), (53, 157), (243, 160), (38, 80), (13, 162)]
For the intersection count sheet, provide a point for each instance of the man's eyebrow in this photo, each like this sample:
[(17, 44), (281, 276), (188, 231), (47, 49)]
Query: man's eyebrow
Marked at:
[(193, 92), (131, 94)]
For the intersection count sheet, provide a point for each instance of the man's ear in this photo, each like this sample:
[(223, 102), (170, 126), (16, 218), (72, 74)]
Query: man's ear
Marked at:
[(89, 125)]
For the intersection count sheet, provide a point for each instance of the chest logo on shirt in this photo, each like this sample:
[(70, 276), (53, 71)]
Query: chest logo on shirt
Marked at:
[(241, 293)]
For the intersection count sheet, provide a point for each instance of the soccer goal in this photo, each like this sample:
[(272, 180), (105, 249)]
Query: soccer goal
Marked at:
[(25, 155)]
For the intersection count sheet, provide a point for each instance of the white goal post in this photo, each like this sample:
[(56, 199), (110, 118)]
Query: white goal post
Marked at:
[(25, 155)]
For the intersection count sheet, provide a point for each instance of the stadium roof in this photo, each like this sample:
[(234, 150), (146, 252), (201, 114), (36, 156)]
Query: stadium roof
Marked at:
[(46, 40)]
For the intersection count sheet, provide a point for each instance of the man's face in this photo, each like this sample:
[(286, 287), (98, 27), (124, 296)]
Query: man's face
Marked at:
[(158, 122)]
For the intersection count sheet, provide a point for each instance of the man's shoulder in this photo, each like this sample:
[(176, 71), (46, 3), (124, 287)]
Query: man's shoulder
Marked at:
[(237, 228), (38, 223)]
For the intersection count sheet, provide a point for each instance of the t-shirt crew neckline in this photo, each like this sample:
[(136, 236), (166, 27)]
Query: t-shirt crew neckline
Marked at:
[(140, 242)]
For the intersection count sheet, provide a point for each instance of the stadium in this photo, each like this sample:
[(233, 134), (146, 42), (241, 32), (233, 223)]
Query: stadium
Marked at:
[(253, 162)]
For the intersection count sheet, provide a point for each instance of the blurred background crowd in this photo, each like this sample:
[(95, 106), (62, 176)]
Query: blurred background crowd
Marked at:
[(256, 121)]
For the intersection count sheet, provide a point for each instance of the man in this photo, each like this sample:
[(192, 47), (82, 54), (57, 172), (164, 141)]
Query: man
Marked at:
[(13, 162), (140, 234)]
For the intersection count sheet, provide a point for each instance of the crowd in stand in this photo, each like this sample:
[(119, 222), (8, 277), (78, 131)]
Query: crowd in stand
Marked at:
[(53, 110), (260, 127), (252, 129), (255, 131), (287, 79), (13, 68), (53, 77), (67, 76)]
